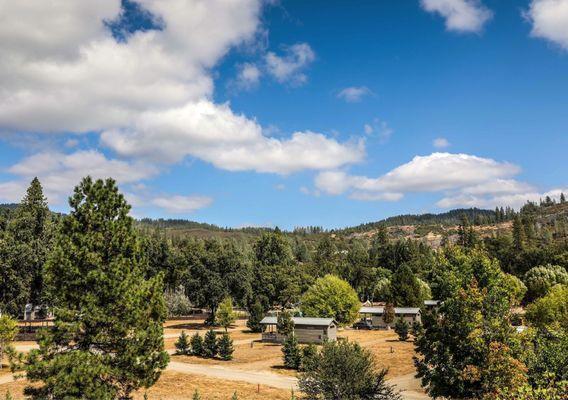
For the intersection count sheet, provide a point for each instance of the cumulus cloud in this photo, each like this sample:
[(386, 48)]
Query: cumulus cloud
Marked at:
[(460, 15), (149, 96), (59, 173), (288, 67), (433, 173), (248, 76), (441, 143), (549, 19), (182, 204), (515, 200), (353, 94)]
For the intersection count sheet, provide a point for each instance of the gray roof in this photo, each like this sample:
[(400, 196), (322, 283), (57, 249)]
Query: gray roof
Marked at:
[(300, 321), (397, 310), (431, 302)]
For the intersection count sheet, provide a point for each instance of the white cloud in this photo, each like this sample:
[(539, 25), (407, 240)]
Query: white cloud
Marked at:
[(368, 128), (549, 20), (288, 68), (441, 143), (353, 94), (150, 97), (248, 76), (515, 200), (182, 204), (59, 173), (433, 173), (215, 134), (379, 129), (460, 15)]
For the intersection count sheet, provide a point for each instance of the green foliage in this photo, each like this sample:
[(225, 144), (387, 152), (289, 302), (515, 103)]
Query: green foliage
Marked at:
[(540, 279), (545, 352), (196, 343), (225, 346), (108, 337), (225, 315), (331, 297), (291, 352), (8, 332), (551, 309), (417, 329), (515, 287), (196, 395), (406, 288), (344, 370), (256, 314), (383, 290), (285, 323), (401, 328), (555, 391), (472, 349), (183, 346), (309, 354), (234, 396), (389, 314), (210, 347)]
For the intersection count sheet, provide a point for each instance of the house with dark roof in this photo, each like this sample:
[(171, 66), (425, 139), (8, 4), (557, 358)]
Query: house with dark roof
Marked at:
[(375, 315), (307, 330)]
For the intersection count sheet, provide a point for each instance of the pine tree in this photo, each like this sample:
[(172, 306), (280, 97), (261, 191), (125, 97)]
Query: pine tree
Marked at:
[(417, 329), (225, 346), (197, 345), (292, 356), (519, 237), (196, 395), (562, 198), (235, 397), (210, 348), (388, 314), (182, 345), (107, 340), (284, 323), (256, 314), (401, 329)]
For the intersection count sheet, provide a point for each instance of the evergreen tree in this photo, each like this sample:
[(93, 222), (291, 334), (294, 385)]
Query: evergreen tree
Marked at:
[(519, 236), (406, 288), (182, 345), (309, 354), (388, 314), (284, 323), (197, 345), (466, 235), (401, 328), (562, 198), (417, 329), (196, 395), (210, 348), (225, 346), (256, 314), (107, 340), (291, 352)]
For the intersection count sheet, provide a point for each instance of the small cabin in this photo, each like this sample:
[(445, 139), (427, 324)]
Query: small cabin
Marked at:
[(307, 330), (375, 315), (431, 304)]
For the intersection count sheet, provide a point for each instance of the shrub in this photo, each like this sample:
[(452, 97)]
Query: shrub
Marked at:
[(177, 303), (225, 346), (401, 328), (182, 345), (292, 356), (210, 348), (197, 345)]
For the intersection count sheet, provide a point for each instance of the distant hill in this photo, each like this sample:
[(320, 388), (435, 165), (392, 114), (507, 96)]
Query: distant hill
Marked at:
[(8, 206)]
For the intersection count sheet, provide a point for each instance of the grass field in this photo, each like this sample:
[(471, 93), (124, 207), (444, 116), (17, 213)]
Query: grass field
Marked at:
[(250, 355)]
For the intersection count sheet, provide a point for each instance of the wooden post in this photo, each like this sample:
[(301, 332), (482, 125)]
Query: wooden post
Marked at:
[(258, 388)]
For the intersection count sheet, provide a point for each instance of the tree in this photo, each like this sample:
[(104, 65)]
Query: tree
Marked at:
[(210, 348), (107, 340), (197, 345), (388, 314), (540, 279), (225, 346), (177, 303), (519, 234), (291, 352), (344, 370), (562, 198), (406, 288), (256, 314), (401, 328), (182, 345), (225, 315), (331, 297), (8, 332), (417, 329), (196, 395), (309, 354), (466, 235), (285, 323), (551, 309), (515, 287), (460, 350)]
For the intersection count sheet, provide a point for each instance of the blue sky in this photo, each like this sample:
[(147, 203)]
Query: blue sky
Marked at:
[(288, 113)]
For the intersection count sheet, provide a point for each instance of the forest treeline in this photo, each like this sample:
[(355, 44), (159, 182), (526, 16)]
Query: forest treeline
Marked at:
[(66, 263)]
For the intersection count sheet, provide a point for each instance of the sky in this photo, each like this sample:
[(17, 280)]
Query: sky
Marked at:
[(286, 113)]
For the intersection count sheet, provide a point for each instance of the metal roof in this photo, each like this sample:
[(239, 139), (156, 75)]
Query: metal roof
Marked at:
[(300, 321), (431, 302), (397, 310)]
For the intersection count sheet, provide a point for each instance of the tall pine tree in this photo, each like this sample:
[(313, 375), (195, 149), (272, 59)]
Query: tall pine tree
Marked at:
[(108, 338)]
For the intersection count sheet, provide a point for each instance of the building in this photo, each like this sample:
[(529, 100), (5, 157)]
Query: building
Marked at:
[(307, 330), (431, 304), (375, 315)]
